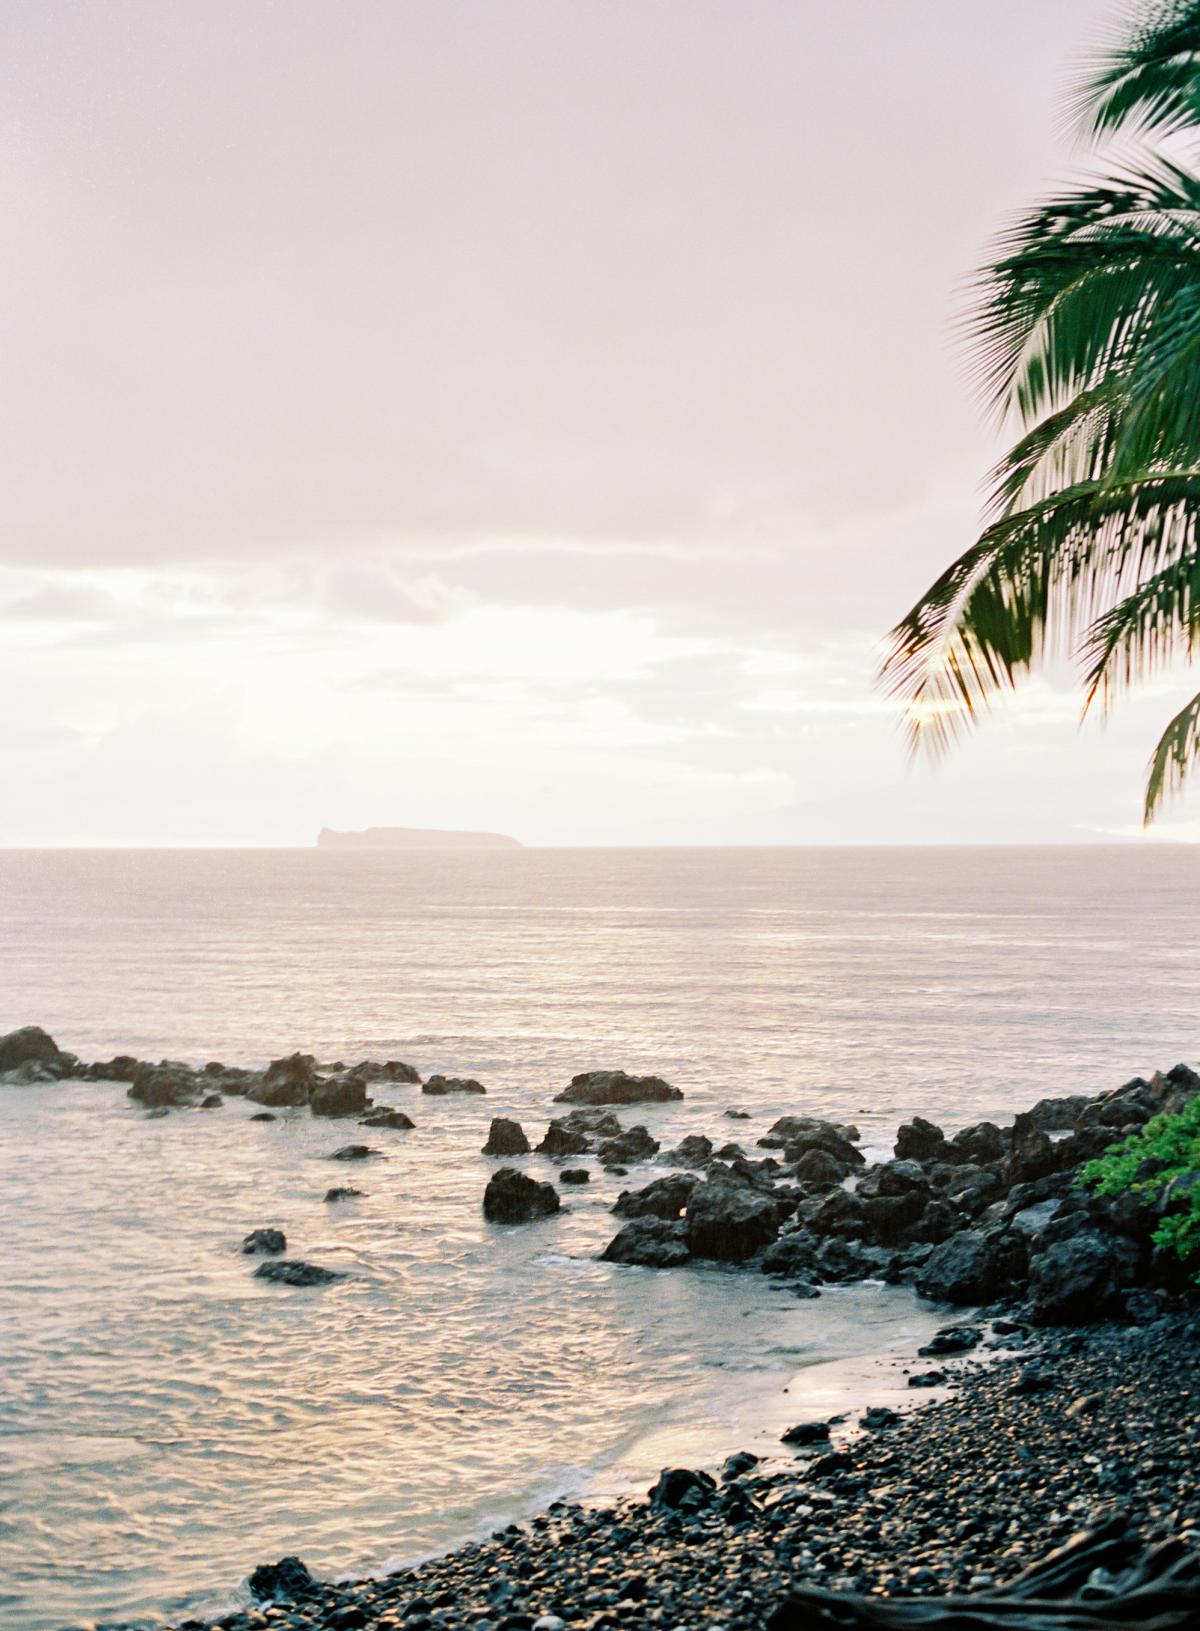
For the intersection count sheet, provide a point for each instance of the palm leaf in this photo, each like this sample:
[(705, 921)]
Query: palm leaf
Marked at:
[(1149, 81), (1176, 754)]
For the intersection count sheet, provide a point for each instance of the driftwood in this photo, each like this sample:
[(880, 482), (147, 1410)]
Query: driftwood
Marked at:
[(1103, 1578)]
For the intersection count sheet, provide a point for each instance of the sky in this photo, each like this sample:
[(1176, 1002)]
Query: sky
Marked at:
[(512, 414)]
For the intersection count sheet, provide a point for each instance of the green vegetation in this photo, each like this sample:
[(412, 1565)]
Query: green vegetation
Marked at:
[(1087, 334), (1146, 1164)]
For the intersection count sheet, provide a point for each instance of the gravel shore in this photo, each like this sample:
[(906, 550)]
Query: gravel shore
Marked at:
[(958, 1495)]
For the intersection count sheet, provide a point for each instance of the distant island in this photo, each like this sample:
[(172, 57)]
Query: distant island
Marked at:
[(413, 838)]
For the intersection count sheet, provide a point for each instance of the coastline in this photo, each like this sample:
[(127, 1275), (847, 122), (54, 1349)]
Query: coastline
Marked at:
[(1073, 1429)]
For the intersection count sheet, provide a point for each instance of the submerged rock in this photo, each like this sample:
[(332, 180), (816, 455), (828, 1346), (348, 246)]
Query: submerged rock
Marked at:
[(295, 1273), (343, 1192), (263, 1115), (575, 1175), (513, 1197), (616, 1087), (440, 1086), (354, 1152), (506, 1137), (271, 1241), (396, 1120)]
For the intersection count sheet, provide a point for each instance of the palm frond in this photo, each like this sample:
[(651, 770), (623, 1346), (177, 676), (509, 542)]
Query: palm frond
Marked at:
[(1149, 627), (1149, 80), (1035, 581), (1175, 756)]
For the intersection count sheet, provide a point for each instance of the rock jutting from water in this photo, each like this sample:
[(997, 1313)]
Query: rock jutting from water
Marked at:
[(506, 1137), (593, 1087), (292, 1272), (513, 1197), (441, 1086)]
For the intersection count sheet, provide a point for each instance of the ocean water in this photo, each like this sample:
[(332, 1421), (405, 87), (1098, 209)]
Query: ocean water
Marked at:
[(166, 1421)]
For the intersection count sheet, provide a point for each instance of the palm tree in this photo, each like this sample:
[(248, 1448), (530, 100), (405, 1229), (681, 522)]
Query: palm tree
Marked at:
[(1087, 334)]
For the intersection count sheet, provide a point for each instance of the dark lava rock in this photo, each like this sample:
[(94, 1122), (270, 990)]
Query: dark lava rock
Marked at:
[(295, 1273), (29, 1045), (123, 1068), (973, 1267), (164, 1086), (829, 1140), (1033, 1378), (792, 1253), (929, 1378), (664, 1198), (514, 1197), (591, 1119), (675, 1484), (693, 1151), (920, 1140), (952, 1339), (440, 1086), (343, 1096), (263, 1115), (284, 1581), (634, 1144), (286, 1081), (393, 1070), (878, 1418), (980, 1143), (561, 1141), (270, 1241), (506, 1138), (807, 1432), (575, 1175), (738, 1465), (354, 1152), (817, 1169), (788, 1129), (1081, 1278), (395, 1120), (616, 1087), (211, 1101), (729, 1222), (653, 1243), (343, 1192), (738, 1115)]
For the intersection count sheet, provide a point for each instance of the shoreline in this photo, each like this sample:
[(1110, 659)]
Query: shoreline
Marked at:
[(959, 1494)]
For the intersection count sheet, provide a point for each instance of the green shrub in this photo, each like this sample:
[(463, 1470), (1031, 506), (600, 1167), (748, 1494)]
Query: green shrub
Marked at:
[(1145, 1163)]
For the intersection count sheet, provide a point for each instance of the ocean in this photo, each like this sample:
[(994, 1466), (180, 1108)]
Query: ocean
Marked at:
[(167, 1421)]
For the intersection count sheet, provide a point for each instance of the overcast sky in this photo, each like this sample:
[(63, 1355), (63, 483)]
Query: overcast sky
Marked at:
[(525, 414)]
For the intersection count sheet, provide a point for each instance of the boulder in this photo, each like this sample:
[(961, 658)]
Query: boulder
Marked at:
[(286, 1081), (440, 1086), (31, 1045), (340, 1096), (165, 1086), (677, 1485), (616, 1087), (396, 1120), (807, 1432), (974, 1266), (980, 1143), (828, 1140), (790, 1128), (817, 1169), (294, 1273), (841, 1260), (693, 1151), (268, 1241), (1060, 1115), (729, 1221), (343, 1192), (123, 1068), (952, 1339), (649, 1242), (664, 1198), (920, 1140), (211, 1101), (263, 1115), (561, 1140), (513, 1197), (634, 1144), (1080, 1279), (575, 1175), (1031, 1155), (790, 1254), (286, 1581), (506, 1138), (354, 1152), (888, 1220), (394, 1070)]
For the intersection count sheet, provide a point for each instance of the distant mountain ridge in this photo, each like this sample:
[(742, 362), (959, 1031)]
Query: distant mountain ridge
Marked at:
[(413, 838)]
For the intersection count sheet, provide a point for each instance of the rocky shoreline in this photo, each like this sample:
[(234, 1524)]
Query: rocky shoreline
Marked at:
[(1096, 1419), (958, 1496)]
